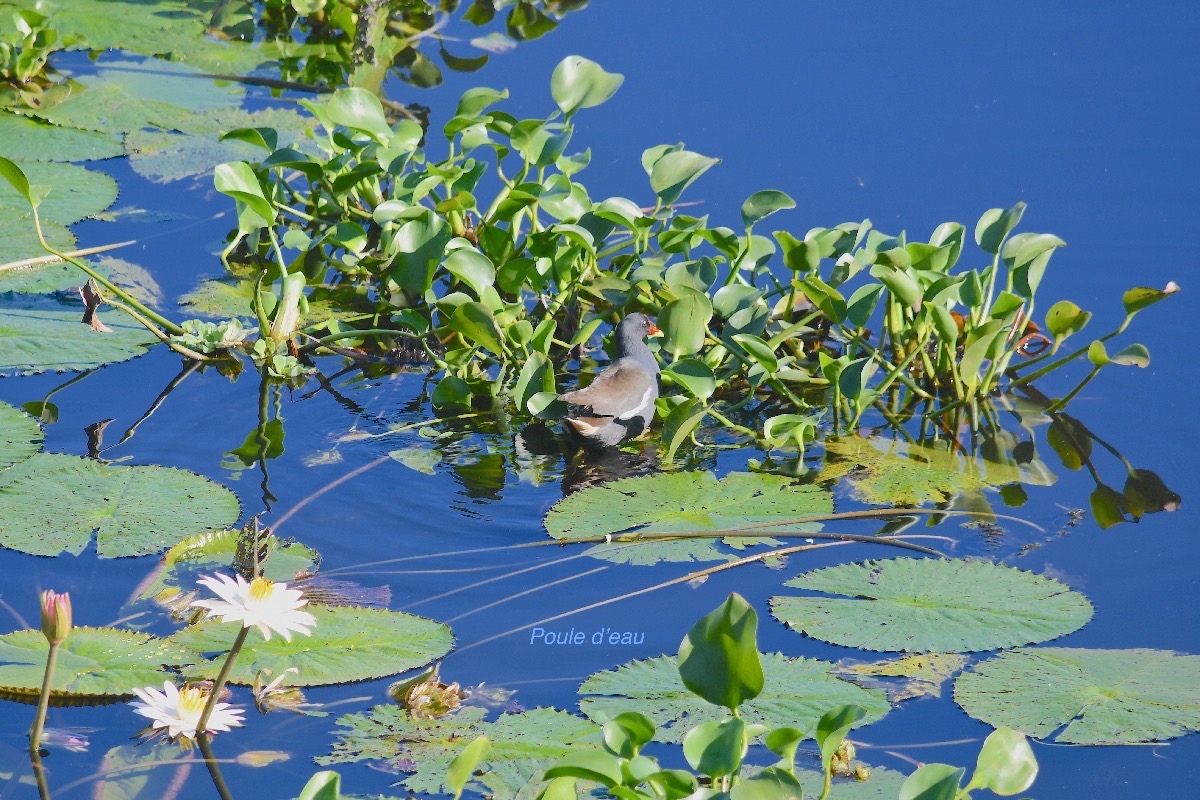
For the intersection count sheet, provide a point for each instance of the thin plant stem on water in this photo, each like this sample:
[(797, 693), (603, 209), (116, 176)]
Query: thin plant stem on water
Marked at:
[(56, 626), (260, 603)]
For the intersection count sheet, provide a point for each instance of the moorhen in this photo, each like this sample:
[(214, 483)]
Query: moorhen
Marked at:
[(619, 403)]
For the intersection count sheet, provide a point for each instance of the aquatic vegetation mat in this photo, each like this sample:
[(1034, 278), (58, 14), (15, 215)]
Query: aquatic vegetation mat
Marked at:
[(685, 502), (348, 644), (796, 692), (931, 605), (52, 504), (1080, 696), (521, 744)]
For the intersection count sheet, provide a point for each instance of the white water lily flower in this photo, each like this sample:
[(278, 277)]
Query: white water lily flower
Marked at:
[(179, 712), (261, 603)]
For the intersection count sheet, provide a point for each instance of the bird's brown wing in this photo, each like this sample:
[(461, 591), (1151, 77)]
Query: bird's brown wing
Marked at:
[(623, 390)]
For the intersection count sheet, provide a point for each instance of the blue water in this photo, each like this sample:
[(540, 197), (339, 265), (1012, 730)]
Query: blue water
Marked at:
[(910, 115)]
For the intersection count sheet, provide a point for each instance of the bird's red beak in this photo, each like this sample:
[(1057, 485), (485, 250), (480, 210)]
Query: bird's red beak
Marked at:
[(654, 329)]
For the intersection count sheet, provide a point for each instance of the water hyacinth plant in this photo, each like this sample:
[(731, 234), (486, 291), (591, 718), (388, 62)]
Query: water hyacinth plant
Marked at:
[(493, 264)]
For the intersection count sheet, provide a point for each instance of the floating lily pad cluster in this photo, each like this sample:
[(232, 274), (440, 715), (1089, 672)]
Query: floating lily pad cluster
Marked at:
[(52, 504)]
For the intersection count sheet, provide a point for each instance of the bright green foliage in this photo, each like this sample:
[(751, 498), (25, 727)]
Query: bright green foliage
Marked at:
[(97, 662), (685, 502), (52, 504), (1079, 696), (931, 605), (718, 659), (349, 644), (796, 692)]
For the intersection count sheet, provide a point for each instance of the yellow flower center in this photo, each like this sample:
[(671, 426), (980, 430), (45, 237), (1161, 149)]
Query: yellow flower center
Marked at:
[(261, 588), (192, 700)]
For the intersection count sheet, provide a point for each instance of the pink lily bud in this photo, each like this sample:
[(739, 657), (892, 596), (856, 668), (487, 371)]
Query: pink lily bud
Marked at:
[(56, 615)]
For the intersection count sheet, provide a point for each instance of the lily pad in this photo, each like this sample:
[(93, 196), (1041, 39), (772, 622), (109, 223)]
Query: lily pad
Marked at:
[(20, 436), (884, 785), (881, 474), (685, 502), (33, 341), (522, 745), (796, 692), (348, 644), (132, 25), (931, 605), (58, 276), (193, 146), (232, 295), (1080, 696), (205, 553), (20, 240), (75, 192), (96, 662), (52, 504), (24, 139)]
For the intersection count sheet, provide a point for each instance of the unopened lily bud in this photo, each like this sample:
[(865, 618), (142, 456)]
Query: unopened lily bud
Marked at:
[(56, 615)]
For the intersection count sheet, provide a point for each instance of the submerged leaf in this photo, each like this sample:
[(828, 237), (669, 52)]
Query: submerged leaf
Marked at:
[(795, 693), (931, 605), (683, 502), (884, 474), (1080, 696)]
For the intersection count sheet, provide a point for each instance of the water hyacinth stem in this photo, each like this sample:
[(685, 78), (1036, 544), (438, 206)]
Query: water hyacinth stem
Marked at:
[(219, 683)]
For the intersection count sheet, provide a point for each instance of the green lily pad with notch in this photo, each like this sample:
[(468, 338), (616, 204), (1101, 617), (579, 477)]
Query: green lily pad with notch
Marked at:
[(348, 644), (796, 692), (52, 504), (76, 192), (882, 473), (20, 436), (33, 341), (1079, 696), (93, 664), (685, 502), (523, 745), (931, 605)]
